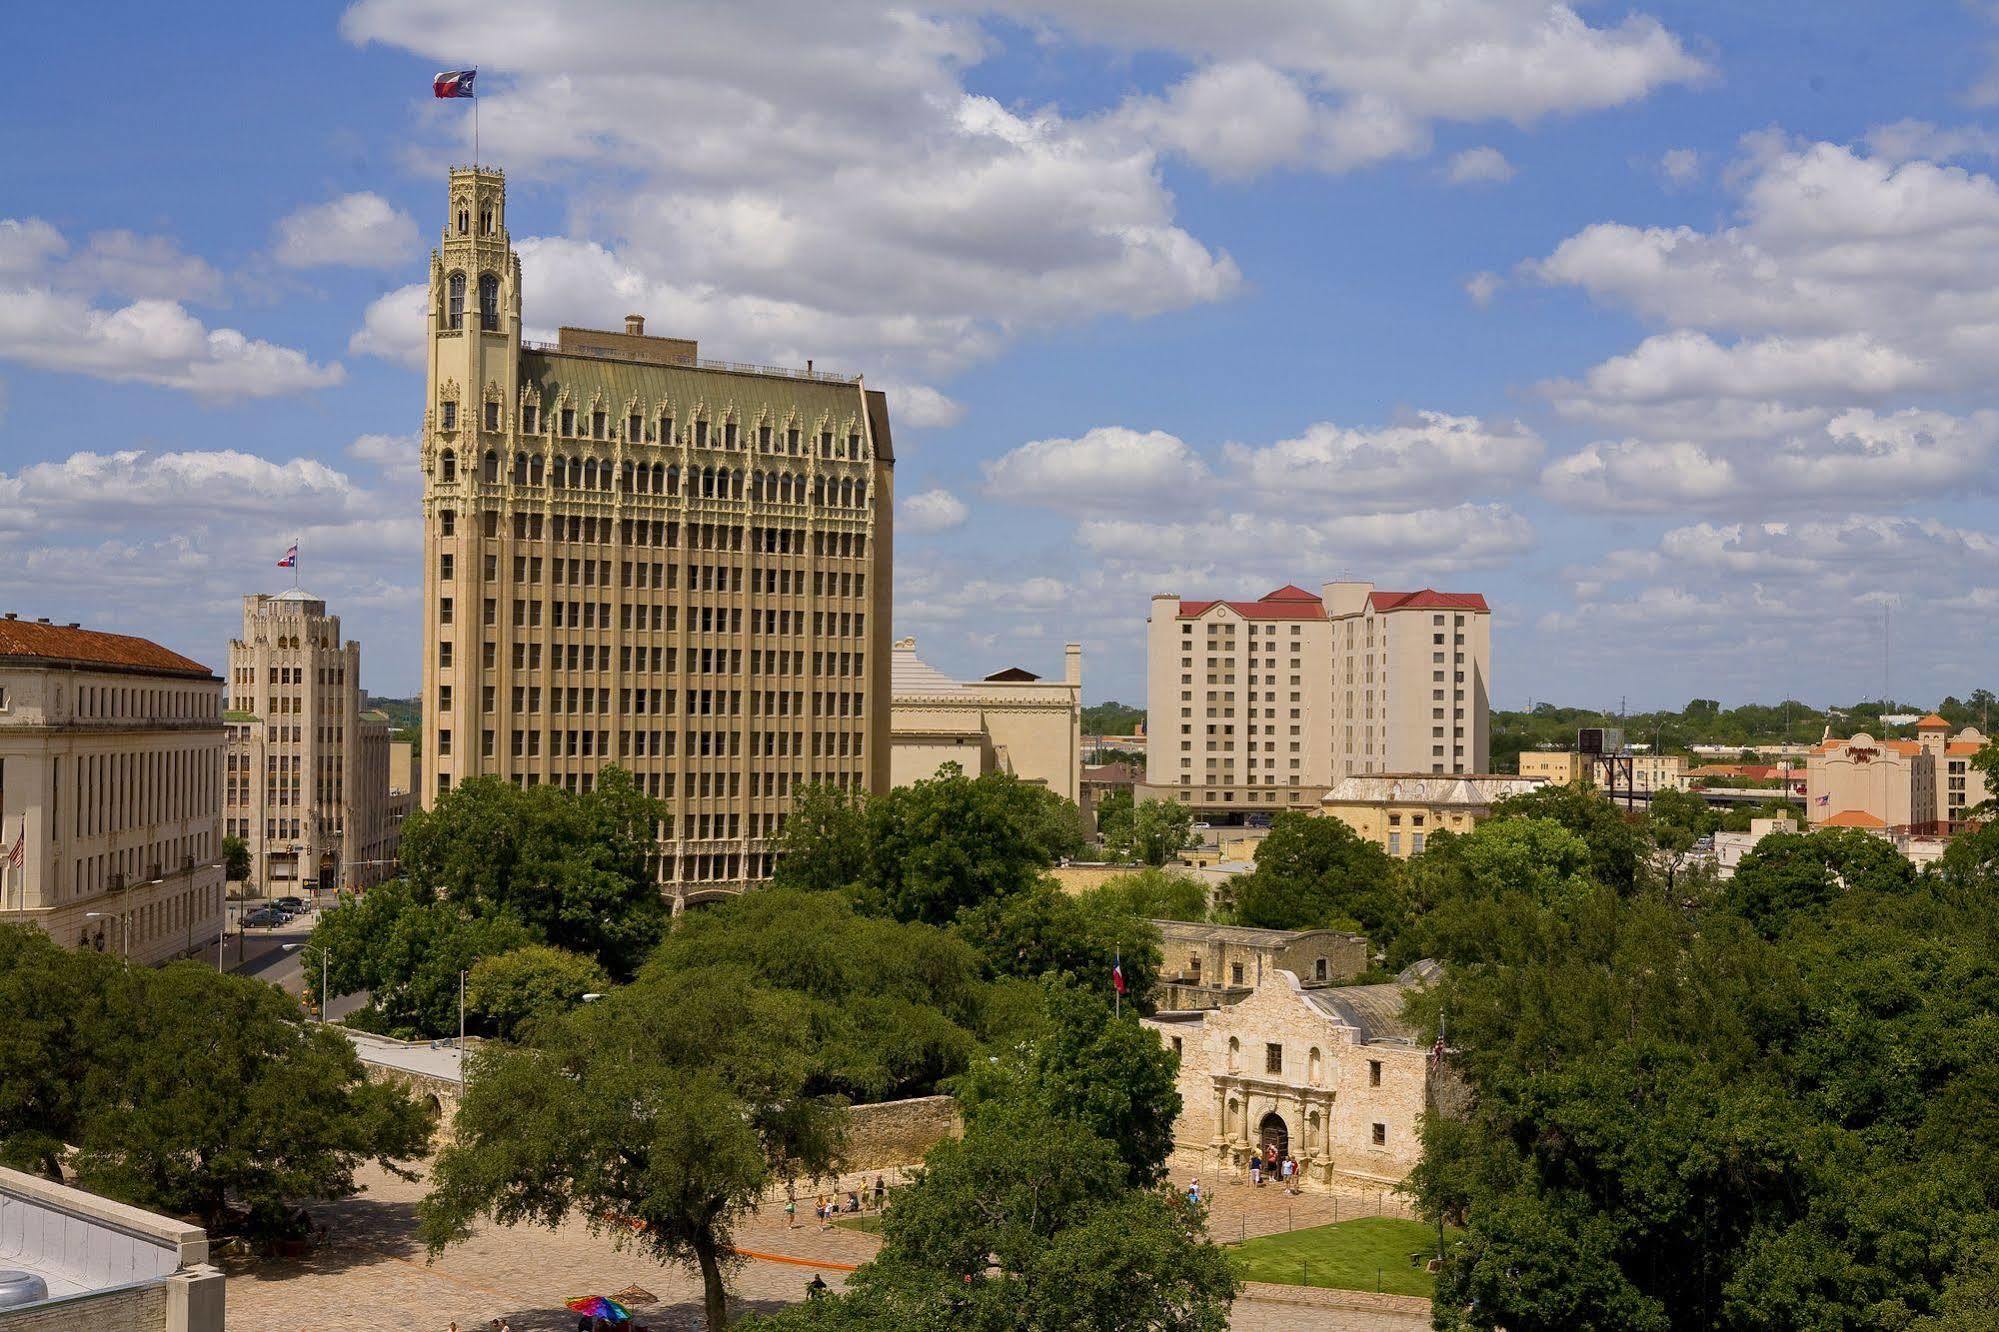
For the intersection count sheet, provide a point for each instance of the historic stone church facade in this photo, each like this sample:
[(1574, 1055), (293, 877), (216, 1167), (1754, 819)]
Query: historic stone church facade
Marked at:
[(1331, 1074)]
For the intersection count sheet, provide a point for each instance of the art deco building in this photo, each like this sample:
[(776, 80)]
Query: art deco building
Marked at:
[(308, 785), (111, 785), (1257, 706), (637, 557)]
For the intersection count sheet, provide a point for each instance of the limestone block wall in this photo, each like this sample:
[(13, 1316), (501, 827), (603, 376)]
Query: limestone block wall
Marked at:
[(899, 1132)]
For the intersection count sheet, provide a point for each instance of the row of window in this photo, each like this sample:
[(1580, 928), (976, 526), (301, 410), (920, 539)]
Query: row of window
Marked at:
[(642, 429)]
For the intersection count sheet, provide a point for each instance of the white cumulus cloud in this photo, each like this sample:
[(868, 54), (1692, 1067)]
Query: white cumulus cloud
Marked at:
[(360, 230), (931, 511)]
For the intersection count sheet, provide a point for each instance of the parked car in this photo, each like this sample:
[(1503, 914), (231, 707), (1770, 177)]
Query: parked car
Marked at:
[(291, 905), (264, 918)]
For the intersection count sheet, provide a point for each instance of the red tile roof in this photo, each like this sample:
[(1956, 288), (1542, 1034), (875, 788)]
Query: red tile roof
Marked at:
[(1427, 599), (1933, 723), (67, 643), (1962, 747), (1289, 602), (1855, 818)]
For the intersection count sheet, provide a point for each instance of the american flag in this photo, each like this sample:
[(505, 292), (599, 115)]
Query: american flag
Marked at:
[(19, 855), (290, 561), (454, 82)]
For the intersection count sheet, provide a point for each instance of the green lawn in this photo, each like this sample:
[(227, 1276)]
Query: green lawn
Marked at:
[(1345, 1255), (871, 1224)]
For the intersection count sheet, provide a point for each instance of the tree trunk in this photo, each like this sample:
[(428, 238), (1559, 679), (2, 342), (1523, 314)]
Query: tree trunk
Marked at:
[(714, 1298)]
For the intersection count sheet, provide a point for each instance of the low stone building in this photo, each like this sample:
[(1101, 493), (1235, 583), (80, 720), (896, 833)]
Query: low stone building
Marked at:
[(1333, 1075), (75, 1260), (1208, 966), (1398, 812)]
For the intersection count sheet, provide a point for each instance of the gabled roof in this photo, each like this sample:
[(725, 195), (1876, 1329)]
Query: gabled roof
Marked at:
[(90, 647), (911, 674), (1289, 602), (1012, 675), (1427, 599), (1855, 818), (1933, 723)]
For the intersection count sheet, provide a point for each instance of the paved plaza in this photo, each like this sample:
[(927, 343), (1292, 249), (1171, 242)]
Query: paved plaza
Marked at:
[(372, 1273)]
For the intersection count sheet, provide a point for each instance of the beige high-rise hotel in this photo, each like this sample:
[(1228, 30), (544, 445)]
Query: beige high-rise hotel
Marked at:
[(633, 556), (1258, 706), (308, 782)]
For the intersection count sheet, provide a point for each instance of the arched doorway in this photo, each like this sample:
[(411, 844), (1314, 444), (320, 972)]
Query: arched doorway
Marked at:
[(1273, 1133)]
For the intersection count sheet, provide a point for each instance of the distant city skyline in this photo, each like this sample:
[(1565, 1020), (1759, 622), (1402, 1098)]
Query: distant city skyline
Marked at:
[(1666, 330)]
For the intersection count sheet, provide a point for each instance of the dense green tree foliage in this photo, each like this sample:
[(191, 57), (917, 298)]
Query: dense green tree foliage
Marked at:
[(406, 951), (1081, 1060), (183, 1090), (1314, 873), (575, 869), (52, 1008), (235, 859), (660, 1113), (1112, 719), (1115, 828), (891, 1005), (926, 851), (510, 990), (492, 868), (1157, 894), (1028, 1223), (1152, 832), (1769, 1108), (1616, 844), (1047, 932)]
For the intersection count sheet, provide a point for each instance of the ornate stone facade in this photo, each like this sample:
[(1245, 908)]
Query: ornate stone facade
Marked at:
[(1333, 1076), (636, 557)]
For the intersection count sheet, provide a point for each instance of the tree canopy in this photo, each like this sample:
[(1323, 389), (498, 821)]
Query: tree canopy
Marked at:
[(926, 851), (659, 1114), (1314, 873), (1769, 1108), (183, 1090)]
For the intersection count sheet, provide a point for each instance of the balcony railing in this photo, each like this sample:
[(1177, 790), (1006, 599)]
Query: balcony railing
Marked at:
[(694, 363)]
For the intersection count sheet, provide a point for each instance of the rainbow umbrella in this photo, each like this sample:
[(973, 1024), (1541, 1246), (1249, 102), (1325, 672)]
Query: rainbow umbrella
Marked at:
[(598, 1306)]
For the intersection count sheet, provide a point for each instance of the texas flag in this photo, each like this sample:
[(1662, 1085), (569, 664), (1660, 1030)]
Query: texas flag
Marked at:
[(454, 83), (290, 561), (1117, 973)]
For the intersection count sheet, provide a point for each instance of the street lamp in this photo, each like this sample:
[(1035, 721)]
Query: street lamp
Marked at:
[(125, 922)]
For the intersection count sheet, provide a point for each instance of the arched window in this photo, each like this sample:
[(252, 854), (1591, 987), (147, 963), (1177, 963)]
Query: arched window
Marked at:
[(736, 485), (447, 463), (464, 220), (625, 479), (489, 302), (819, 490), (673, 480), (1315, 1067), (659, 479), (860, 494), (491, 473), (1235, 1055), (520, 469), (485, 221), (575, 473), (590, 474), (534, 470), (454, 304)]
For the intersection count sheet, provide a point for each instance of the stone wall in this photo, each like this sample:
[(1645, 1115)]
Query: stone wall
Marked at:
[(138, 1309), (1082, 878), (899, 1132)]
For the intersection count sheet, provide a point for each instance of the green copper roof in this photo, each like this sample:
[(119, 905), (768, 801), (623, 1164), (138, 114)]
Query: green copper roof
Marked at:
[(678, 387)]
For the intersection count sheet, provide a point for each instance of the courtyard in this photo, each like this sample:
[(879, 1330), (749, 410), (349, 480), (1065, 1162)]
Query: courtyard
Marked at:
[(372, 1272)]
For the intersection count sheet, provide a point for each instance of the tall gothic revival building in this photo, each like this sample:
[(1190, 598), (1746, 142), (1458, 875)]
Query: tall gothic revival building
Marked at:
[(637, 557)]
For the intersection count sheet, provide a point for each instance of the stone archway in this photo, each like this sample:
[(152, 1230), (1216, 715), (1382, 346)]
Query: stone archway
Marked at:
[(1273, 1132)]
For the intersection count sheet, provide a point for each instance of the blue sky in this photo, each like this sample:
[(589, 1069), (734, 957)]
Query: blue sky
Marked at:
[(1669, 329)]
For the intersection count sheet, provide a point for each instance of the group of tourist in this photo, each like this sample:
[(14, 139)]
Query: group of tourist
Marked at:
[(826, 1206), (1268, 1165)]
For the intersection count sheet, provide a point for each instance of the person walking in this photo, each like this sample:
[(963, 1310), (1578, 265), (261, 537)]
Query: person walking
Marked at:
[(881, 1192), (791, 1214), (1256, 1171)]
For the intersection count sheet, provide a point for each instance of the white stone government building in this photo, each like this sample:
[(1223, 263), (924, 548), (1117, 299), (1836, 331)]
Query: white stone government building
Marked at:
[(1012, 721), (111, 788), (1331, 1074)]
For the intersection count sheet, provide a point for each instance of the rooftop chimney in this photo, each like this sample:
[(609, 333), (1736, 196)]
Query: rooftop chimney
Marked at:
[(635, 325)]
